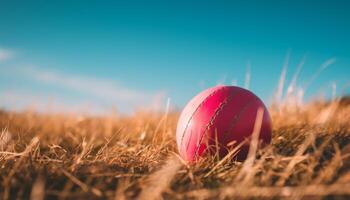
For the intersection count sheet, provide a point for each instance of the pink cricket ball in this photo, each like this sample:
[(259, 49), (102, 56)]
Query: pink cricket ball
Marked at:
[(223, 114)]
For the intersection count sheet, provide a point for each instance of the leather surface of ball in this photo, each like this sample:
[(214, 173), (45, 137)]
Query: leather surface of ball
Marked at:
[(218, 117)]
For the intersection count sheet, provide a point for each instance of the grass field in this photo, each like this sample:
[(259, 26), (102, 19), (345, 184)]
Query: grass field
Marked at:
[(51, 156)]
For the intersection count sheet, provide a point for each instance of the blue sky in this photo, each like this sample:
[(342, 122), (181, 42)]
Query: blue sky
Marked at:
[(94, 55)]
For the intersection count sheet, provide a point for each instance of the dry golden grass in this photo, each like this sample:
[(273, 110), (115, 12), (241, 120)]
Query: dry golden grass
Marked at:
[(113, 157)]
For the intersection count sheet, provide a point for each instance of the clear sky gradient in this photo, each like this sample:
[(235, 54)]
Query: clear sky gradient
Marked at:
[(93, 55)]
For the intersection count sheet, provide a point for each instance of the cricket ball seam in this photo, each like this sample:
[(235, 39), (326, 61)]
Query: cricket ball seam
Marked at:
[(211, 122), (195, 111), (237, 117)]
